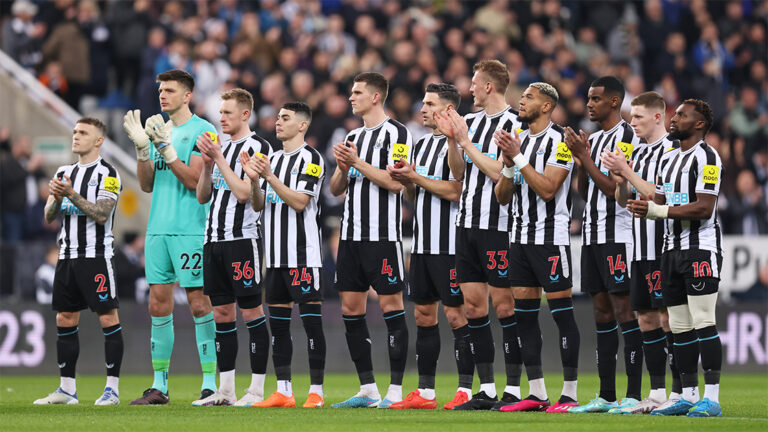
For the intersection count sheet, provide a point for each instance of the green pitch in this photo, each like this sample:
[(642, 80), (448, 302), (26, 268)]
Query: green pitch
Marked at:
[(743, 397)]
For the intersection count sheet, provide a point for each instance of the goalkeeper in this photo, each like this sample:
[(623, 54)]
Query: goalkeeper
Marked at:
[(169, 165)]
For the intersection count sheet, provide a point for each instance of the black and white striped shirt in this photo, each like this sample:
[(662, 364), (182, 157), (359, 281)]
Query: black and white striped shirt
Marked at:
[(535, 221), (372, 213), (605, 221), (434, 231), (648, 235), (478, 207), (293, 239), (228, 219), (683, 175), (81, 236)]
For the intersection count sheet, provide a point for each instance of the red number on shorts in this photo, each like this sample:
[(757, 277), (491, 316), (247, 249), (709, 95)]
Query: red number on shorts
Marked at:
[(554, 260), (101, 280), (248, 270), (651, 277), (491, 260), (238, 273), (454, 284), (305, 276), (619, 265), (702, 269), (386, 269), (492, 264), (503, 259)]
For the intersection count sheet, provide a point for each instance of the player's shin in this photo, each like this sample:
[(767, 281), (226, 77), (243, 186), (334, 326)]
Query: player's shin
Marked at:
[(397, 342), (513, 360), (633, 357), (161, 347), (205, 334), (282, 347), (607, 348), (654, 342), (483, 352), (570, 341), (113, 355), (427, 352), (259, 354), (359, 344), (226, 353), (67, 352), (465, 365), (527, 311), (311, 317)]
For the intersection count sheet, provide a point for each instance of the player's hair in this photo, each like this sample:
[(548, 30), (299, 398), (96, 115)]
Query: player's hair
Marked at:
[(702, 108), (182, 77), (612, 85), (547, 90), (300, 108), (241, 96), (650, 100), (446, 92), (376, 81), (496, 72), (95, 122)]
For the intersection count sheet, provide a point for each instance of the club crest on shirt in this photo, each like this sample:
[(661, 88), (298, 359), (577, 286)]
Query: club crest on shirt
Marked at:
[(93, 182), (295, 170), (443, 152), (379, 144)]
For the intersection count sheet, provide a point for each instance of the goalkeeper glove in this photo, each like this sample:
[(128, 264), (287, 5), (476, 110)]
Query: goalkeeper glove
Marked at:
[(132, 125), (160, 133)]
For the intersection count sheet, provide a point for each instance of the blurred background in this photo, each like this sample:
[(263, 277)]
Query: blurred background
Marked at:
[(65, 58)]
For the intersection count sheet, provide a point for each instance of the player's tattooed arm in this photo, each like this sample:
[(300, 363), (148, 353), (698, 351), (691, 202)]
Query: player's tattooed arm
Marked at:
[(98, 211), (52, 209)]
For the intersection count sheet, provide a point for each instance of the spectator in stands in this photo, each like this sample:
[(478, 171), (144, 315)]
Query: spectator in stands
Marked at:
[(21, 36), (70, 47), (750, 120), (44, 276), (18, 170)]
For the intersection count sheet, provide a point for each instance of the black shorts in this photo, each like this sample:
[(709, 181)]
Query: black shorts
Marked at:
[(606, 268), (689, 273), (232, 271), (300, 285), (433, 278), (481, 256), (84, 282), (379, 264), (645, 285), (546, 266)]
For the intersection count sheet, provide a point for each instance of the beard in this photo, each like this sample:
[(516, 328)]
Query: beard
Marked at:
[(680, 134), (529, 118)]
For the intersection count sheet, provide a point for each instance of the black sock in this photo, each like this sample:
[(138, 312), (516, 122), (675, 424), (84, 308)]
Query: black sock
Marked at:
[(312, 318), (226, 346), (359, 344), (527, 311), (465, 365), (677, 387), (654, 342), (607, 349), (113, 349), (513, 359), (711, 349), (397, 335), (483, 351), (259, 340), (427, 352), (67, 350), (633, 357), (570, 339), (687, 357), (282, 345)]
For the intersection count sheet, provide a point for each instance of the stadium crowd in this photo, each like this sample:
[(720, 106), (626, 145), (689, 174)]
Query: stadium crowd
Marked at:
[(111, 51)]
